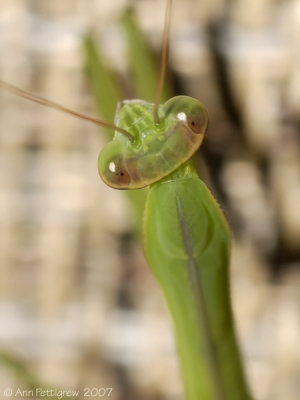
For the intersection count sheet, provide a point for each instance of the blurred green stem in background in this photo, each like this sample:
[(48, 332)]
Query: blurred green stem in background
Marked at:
[(31, 381)]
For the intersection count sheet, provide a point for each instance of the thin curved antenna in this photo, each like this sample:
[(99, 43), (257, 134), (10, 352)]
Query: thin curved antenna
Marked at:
[(49, 103), (163, 59)]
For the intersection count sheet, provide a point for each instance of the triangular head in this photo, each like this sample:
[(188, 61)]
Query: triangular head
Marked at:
[(158, 148)]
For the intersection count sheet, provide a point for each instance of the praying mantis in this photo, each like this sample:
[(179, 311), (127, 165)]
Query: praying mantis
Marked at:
[(186, 237)]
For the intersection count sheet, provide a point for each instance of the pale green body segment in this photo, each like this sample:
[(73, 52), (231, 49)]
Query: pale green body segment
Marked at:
[(158, 148), (187, 242)]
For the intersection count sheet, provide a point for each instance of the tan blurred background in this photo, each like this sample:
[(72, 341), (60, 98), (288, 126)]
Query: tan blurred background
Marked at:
[(78, 303)]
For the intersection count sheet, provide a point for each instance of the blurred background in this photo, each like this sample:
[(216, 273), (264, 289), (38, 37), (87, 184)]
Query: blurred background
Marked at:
[(79, 307)]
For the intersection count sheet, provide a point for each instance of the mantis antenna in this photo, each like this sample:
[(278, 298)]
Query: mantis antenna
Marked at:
[(48, 103), (163, 59)]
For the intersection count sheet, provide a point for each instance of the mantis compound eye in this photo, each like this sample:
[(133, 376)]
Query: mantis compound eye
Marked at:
[(190, 111), (118, 170), (116, 174), (197, 120), (112, 167)]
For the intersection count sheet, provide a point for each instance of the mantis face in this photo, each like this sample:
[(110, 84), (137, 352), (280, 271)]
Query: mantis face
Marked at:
[(158, 148)]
